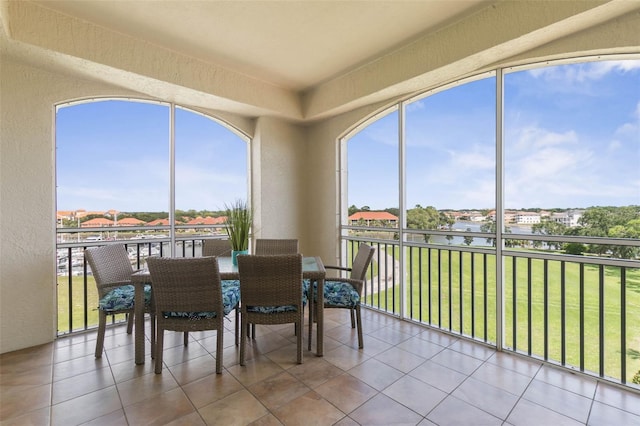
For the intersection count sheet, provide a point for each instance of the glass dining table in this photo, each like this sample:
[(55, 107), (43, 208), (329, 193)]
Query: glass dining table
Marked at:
[(312, 269)]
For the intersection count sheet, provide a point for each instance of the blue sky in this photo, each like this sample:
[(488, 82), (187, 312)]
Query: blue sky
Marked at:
[(115, 155), (572, 139)]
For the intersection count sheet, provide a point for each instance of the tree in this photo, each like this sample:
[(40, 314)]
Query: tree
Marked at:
[(550, 227), (423, 218), (353, 209), (468, 240)]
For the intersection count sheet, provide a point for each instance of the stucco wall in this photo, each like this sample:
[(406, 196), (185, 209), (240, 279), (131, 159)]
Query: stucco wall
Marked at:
[(27, 196), (277, 187)]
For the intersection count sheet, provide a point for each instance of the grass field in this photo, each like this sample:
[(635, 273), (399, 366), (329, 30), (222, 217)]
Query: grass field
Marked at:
[(451, 296), (449, 280)]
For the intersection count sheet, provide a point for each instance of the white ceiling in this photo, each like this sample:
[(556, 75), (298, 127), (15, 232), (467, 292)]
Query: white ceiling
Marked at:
[(295, 45)]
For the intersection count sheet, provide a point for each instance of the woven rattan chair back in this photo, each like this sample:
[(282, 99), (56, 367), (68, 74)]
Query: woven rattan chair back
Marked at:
[(267, 246), (219, 248), (110, 266), (186, 291), (361, 262), (266, 282), (111, 269)]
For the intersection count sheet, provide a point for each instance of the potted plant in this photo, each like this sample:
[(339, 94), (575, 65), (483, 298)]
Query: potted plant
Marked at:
[(238, 220)]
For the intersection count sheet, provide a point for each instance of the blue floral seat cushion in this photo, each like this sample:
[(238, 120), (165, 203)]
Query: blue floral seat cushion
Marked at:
[(280, 309), (230, 298), (122, 298), (336, 293)]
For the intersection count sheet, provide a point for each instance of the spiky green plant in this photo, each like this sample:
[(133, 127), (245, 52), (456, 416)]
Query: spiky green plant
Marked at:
[(239, 218)]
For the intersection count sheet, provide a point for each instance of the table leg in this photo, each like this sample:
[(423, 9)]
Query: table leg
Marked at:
[(320, 318), (139, 323)]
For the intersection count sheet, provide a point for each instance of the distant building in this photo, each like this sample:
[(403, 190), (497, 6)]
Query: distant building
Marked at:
[(569, 218), (527, 218), (368, 217), (97, 222)]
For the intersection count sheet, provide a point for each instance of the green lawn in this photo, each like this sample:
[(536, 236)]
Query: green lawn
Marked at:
[(444, 307), (444, 311)]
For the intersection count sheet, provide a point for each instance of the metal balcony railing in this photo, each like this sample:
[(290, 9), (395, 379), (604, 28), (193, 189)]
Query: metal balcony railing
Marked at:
[(77, 294), (579, 312)]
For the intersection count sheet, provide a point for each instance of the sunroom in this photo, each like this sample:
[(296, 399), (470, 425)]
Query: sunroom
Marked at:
[(302, 82)]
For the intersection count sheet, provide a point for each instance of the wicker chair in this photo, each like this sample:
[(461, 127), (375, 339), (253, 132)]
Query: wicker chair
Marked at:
[(216, 248), (271, 288), (112, 271), (345, 292), (273, 246), (189, 296), (276, 246), (220, 248)]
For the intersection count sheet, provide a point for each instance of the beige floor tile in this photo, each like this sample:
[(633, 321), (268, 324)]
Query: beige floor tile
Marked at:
[(278, 390), (502, 378), (616, 397), (389, 335), (255, 370), (415, 394), (376, 374), (446, 378), (527, 413), (572, 382), (73, 367), (191, 419), (491, 399), (81, 384), (160, 409), (192, 369), (211, 388), (603, 414), (16, 401), (37, 417), (438, 376), (516, 363), (36, 375), (309, 409), (116, 418), (382, 410), (267, 420), (345, 358), (421, 347), (559, 400), (457, 361), (86, 407), (453, 411), (145, 387), (346, 392), (400, 359), (239, 408), (315, 371)]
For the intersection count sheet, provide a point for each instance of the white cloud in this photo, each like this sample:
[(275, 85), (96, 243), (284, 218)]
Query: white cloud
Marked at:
[(581, 73)]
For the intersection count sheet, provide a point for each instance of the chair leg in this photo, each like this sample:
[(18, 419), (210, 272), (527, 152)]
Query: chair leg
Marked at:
[(311, 305), (159, 349), (243, 339), (300, 327), (130, 322), (237, 325), (353, 320), (186, 338), (359, 319), (253, 331), (102, 325), (219, 347), (153, 335)]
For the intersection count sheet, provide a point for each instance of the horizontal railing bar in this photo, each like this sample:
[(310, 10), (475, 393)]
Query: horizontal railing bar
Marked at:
[(625, 263)]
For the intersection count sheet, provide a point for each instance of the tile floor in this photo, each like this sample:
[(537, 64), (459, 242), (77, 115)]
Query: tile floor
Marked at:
[(406, 374)]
